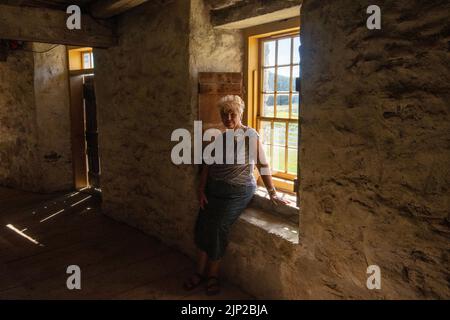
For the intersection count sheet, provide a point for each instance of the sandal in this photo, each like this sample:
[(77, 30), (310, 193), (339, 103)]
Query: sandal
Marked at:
[(213, 286), (194, 281)]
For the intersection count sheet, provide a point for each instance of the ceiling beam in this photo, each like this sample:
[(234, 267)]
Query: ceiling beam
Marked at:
[(249, 13), (47, 25), (110, 8)]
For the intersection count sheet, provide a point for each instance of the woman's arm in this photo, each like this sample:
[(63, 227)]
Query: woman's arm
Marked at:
[(266, 175), (201, 188)]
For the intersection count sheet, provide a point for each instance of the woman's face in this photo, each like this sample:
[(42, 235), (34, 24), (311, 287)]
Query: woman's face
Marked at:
[(231, 119)]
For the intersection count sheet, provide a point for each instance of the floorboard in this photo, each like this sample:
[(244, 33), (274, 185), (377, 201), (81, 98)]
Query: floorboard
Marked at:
[(116, 261)]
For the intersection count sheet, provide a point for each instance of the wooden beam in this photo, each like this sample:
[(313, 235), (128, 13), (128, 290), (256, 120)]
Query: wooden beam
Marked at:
[(109, 8), (81, 72), (249, 13), (49, 26)]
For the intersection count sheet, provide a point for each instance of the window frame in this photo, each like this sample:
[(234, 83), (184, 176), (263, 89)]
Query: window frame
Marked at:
[(253, 81), (259, 118)]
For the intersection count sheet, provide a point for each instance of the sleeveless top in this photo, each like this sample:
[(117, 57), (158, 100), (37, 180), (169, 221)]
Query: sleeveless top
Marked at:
[(238, 172)]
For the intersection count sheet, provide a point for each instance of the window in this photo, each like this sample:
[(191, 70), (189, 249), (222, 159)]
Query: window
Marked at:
[(278, 104), (88, 60), (80, 58), (272, 63)]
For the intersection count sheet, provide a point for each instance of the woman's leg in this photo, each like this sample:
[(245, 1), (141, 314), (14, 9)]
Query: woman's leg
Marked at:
[(213, 270), (233, 211), (197, 278), (213, 284), (202, 261)]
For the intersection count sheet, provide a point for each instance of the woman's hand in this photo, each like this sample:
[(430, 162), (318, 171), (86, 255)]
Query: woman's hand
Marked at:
[(202, 199), (277, 200)]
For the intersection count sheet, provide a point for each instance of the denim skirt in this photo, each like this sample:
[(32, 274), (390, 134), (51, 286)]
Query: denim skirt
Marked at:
[(225, 204)]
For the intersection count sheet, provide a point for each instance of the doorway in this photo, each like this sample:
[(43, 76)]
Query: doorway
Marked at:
[(91, 133), (86, 161)]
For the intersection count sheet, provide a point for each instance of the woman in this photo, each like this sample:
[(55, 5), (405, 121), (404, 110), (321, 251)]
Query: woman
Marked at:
[(224, 192)]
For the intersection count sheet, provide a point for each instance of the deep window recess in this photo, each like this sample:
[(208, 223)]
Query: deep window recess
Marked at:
[(278, 105)]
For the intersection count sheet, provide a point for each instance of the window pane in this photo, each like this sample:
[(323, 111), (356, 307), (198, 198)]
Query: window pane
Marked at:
[(268, 101), (279, 136), (86, 60), (295, 102), (293, 135), (296, 53), (269, 53), (265, 131), (292, 161), (283, 78), (269, 80), (266, 148), (295, 74), (283, 105), (92, 60), (284, 51), (279, 154)]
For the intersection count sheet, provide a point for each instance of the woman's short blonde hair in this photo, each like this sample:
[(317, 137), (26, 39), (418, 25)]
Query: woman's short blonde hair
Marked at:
[(231, 103)]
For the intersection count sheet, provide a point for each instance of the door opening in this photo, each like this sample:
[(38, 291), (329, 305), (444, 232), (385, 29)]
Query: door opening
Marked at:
[(91, 133), (86, 161)]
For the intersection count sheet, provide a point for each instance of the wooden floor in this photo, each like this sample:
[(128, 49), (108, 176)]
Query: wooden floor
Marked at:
[(41, 235)]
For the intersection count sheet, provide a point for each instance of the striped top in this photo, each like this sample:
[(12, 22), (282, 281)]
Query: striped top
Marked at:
[(235, 173)]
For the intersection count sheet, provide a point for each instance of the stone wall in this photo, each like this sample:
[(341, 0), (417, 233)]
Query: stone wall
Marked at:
[(51, 87), (143, 93), (19, 159), (375, 149), (211, 50), (142, 99), (35, 150)]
